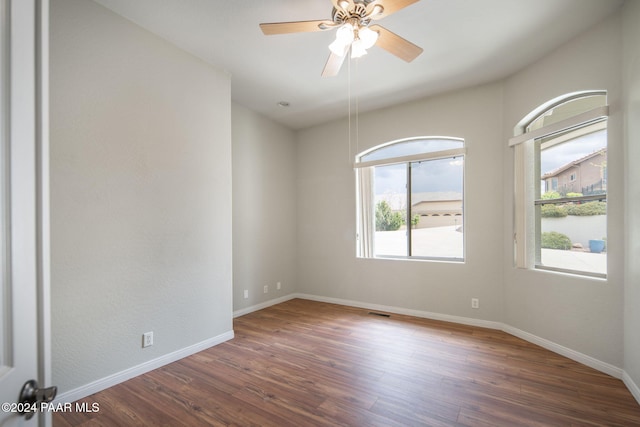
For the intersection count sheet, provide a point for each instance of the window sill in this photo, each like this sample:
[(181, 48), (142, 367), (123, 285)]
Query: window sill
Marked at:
[(418, 259), (573, 273)]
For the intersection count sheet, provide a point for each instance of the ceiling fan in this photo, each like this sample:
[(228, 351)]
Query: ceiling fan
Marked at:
[(352, 19)]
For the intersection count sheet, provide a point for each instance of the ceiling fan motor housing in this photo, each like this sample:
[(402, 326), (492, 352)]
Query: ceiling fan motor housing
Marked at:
[(355, 10)]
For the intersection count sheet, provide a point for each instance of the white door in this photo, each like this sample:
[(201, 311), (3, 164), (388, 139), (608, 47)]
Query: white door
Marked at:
[(23, 302)]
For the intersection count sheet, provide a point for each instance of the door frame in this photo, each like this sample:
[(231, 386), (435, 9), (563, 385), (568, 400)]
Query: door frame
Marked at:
[(27, 111), (43, 230)]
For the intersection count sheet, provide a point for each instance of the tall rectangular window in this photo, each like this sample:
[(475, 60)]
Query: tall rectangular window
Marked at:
[(561, 212)]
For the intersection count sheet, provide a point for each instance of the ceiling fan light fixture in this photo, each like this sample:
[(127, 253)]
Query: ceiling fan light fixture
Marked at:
[(357, 49), (344, 38), (345, 33), (338, 47), (368, 37)]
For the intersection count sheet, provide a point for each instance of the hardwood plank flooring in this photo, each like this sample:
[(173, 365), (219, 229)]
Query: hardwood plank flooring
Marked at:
[(305, 363)]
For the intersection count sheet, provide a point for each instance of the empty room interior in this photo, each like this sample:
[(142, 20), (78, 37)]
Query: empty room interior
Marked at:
[(220, 193)]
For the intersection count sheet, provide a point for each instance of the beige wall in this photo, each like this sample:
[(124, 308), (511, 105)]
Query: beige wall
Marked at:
[(140, 196), (631, 107), (264, 208)]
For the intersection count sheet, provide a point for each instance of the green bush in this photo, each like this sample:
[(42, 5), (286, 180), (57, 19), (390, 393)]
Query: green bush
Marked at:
[(587, 209), (387, 220), (550, 195), (555, 240), (574, 195), (553, 211)]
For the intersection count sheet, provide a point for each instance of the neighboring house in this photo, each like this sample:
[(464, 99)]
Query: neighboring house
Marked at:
[(587, 175), (438, 209)]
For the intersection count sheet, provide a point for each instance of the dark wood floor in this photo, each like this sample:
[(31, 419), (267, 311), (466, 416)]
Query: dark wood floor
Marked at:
[(304, 363)]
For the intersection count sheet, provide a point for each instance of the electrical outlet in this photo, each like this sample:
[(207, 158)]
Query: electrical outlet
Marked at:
[(246, 293), (475, 303), (266, 288), (147, 339), (278, 286)]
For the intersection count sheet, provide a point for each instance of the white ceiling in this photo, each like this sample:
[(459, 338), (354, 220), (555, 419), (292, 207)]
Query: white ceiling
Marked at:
[(465, 42)]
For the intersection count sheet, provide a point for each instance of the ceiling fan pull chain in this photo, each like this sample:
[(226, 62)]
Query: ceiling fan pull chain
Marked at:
[(349, 109)]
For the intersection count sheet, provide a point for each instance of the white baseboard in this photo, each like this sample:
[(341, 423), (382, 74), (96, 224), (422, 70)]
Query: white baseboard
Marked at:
[(599, 365), (398, 310), (127, 374), (632, 386), (262, 305)]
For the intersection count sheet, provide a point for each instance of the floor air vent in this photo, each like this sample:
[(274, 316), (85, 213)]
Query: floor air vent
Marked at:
[(373, 313)]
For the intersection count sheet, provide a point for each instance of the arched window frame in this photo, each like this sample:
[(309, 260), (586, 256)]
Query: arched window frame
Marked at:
[(364, 189), (526, 153)]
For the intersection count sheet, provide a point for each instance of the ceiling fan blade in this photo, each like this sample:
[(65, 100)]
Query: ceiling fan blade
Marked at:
[(296, 27), (389, 7), (333, 65), (395, 44)]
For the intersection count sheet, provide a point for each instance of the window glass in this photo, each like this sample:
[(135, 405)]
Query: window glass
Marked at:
[(573, 233), (436, 203), (390, 184)]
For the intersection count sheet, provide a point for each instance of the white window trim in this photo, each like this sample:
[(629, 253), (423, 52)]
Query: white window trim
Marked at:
[(582, 119), (435, 155), (365, 217)]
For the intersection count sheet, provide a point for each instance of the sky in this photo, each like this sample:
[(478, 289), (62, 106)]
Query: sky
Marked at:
[(561, 154), (442, 175)]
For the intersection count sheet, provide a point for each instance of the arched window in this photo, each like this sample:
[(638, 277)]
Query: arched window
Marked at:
[(561, 185), (403, 188)]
